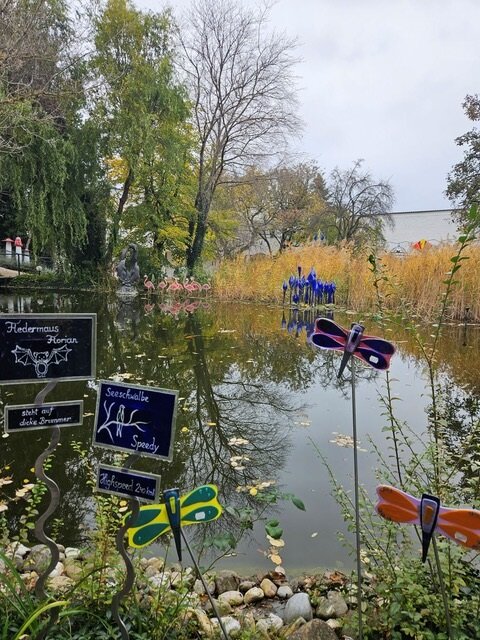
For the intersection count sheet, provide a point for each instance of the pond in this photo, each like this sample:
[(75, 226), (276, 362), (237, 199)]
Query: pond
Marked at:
[(259, 407)]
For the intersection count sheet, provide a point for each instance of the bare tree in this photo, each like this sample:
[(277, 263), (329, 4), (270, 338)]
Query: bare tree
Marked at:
[(242, 88), (357, 205)]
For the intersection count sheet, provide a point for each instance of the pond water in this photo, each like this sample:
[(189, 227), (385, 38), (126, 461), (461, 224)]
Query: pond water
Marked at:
[(250, 385)]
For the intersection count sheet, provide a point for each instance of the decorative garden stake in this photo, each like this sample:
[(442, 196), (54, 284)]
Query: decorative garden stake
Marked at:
[(47, 348), (460, 525), (134, 507), (200, 505), (375, 352)]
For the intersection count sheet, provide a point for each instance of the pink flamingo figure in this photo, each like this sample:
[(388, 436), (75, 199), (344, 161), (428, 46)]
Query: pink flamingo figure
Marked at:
[(148, 284), (188, 286), (196, 286), (206, 287), (162, 285), (175, 286)]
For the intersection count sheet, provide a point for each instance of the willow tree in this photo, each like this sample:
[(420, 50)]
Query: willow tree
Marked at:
[(240, 79), (142, 112), (42, 180)]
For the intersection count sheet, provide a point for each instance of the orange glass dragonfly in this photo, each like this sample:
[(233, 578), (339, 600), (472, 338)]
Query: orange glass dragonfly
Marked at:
[(460, 525)]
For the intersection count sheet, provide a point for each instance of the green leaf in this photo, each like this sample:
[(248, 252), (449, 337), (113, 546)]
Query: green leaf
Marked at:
[(273, 529), (298, 503)]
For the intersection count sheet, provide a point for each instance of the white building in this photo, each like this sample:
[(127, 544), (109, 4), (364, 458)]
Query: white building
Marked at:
[(410, 226)]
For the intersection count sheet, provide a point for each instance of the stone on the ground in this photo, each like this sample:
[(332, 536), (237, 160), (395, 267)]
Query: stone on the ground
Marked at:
[(268, 588), (271, 622), (72, 552), (284, 592), (314, 630), (16, 549), (338, 602), (60, 583), (160, 580), (222, 606), (227, 581), (298, 606), (38, 559), (234, 598), (156, 563), (232, 626), (255, 594), (245, 585), (204, 622), (72, 568), (335, 624)]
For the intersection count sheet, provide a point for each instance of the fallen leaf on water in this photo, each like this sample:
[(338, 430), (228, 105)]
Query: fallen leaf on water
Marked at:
[(226, 331), (275, 558), (4, 481), (237, 441), (253, 491), (314, 535), (5, 435), (185, 429), (3, 507), (275, 543), (86, 415), (211, 424)]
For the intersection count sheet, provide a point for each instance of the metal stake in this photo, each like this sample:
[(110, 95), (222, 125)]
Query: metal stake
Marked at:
[(205, 586), (40, 534), (442, 589), (134, 507), (357, 504)]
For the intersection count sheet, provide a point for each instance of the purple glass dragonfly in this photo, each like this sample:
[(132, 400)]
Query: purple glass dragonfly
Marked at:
[(375, 352)]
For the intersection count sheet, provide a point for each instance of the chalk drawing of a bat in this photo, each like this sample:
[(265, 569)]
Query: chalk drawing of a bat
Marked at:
[(41, 360)]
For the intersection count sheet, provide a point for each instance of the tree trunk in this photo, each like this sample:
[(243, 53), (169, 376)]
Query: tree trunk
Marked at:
[(194, 251), (118, 214)]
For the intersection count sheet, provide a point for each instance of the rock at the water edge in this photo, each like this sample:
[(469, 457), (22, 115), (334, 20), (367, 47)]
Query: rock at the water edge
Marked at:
[(60, 583), (255, 594), (333, 606), (268, 588), (314, 630), (245, 585), (284, 592), (227, 581), (234, 598), (298, 607), (72, 552)]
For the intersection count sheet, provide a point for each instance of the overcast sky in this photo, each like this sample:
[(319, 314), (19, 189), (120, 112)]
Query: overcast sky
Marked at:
[(383, 80)]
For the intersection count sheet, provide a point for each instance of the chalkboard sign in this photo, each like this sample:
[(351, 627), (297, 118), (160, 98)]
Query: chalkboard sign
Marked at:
[(127, 483), (42, 347), (29, 417), (135, 419)]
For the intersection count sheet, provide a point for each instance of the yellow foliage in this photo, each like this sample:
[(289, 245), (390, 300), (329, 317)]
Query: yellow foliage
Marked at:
[(417, 278)]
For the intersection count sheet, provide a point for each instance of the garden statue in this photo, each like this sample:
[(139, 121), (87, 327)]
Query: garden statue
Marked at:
[(128, 272)]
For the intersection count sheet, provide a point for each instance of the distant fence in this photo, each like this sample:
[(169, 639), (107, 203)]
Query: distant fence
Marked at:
[(26, 262)]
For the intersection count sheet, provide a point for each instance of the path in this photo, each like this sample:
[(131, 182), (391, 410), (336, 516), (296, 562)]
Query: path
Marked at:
[(7, 273)]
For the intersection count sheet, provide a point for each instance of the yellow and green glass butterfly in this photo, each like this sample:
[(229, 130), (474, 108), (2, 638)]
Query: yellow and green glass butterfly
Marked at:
[(200, 505)]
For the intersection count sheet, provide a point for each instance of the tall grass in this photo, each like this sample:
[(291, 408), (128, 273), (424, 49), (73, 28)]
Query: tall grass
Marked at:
[(418, 278)]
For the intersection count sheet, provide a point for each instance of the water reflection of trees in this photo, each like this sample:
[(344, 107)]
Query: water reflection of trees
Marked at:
[(239, 376)]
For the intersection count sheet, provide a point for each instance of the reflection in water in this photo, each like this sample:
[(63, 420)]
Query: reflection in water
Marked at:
[(251, 397)]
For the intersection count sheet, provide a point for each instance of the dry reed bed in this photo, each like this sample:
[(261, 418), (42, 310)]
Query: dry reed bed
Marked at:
[(414, 280)]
